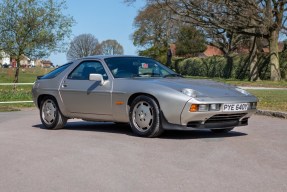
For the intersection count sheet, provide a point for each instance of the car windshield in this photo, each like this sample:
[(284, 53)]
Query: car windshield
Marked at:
[(130, 67)]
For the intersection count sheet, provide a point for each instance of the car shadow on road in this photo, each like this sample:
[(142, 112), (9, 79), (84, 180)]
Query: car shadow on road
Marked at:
[(199, 134), (96, 127), (109, 127)]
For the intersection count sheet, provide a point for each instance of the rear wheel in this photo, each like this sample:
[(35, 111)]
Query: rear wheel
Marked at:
[(50, 114), (144, 117), (221, 130)]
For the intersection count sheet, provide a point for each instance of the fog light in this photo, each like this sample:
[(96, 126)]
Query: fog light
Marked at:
[(203, 108), (214, 107)]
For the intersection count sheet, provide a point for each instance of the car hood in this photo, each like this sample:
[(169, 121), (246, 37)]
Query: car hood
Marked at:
[(203, 87)]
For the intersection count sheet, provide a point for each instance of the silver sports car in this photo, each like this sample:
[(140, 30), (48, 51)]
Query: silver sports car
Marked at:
[(139, 91)]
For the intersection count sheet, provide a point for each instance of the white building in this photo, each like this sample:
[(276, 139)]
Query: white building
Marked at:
[(4, 58)]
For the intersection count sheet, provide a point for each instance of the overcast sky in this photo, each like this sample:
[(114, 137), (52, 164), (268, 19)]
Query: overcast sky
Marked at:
[(105, 19)]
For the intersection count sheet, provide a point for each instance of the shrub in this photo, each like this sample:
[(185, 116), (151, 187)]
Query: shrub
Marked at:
[(232, 66)]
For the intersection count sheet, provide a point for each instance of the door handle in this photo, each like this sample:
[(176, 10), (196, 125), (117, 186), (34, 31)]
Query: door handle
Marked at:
[(64, 85)]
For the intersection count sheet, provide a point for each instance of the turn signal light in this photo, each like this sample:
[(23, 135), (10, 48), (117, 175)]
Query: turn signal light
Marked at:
[(119, 102), (193, 108)]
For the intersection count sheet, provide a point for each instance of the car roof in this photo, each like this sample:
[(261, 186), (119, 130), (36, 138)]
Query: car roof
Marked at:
[(109, 56)]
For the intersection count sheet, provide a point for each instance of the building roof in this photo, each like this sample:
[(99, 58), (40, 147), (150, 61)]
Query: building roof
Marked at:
[(212, 51), (280, 48)]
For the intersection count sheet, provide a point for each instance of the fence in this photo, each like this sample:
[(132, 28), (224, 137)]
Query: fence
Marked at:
[(15, 84)]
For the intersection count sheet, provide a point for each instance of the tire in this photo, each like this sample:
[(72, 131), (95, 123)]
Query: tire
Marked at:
[(221, 130), (144, 117), (50, 114)]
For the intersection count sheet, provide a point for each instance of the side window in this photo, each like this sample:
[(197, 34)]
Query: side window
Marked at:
[(56, 72), (83, 71)]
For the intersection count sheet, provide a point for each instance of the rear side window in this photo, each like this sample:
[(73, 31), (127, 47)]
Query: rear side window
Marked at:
[(56, 72)]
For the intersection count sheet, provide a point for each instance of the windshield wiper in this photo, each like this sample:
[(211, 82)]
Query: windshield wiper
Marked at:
[(172, 75)]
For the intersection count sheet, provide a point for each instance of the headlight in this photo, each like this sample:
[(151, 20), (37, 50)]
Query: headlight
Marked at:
[(204, 107), (242, 91), (190, 92), (253, 105)]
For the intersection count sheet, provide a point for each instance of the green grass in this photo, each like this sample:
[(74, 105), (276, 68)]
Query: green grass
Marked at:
[(262, 83), (15, 107), (276, 84), (272, 100), (26, 75), (22, 92), (18, 94), (275, 100)]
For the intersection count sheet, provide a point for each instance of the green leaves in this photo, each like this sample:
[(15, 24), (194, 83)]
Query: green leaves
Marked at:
[(190, 41), (33, 28)]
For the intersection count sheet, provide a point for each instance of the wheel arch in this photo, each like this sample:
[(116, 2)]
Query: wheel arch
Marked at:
[(41, 97), (135, 95)]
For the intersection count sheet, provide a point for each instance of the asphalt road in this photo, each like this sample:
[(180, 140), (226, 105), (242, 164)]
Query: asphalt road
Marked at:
[(106, 157)]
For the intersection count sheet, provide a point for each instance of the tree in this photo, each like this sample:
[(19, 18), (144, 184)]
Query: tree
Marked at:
[(255, 18), (110, 47), (155, 30), (33, 28), (81, 46), (230, 43), (190, 41)]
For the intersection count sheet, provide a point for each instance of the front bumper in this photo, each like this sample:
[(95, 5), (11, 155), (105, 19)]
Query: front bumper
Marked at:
[(210, 119), (218, 121)]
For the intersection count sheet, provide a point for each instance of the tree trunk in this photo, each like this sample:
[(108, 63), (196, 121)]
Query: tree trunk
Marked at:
[(227, 73), (274, 57), (254, 72), (16, 77)]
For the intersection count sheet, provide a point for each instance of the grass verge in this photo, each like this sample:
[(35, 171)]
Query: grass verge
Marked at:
[(21, 93), (271, 100)]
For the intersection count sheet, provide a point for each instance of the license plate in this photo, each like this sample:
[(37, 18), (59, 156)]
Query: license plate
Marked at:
[(235, 107)]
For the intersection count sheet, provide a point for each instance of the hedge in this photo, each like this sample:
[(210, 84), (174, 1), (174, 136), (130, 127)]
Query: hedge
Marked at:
[(236, 66)]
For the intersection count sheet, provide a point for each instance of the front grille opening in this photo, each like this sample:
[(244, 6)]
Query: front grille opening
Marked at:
[(225, 117), (221, 121), (244, 121), (194, 124)]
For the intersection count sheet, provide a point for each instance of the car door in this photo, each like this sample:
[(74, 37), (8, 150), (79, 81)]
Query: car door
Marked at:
[(82, 96)]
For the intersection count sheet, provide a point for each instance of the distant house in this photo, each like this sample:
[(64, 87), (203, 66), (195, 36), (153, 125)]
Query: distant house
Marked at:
[(211, 51), (47, 64), (24, 61), (4, 58), (172, 48), (263, 47), (214, 51), (280, 48), (43, 63)]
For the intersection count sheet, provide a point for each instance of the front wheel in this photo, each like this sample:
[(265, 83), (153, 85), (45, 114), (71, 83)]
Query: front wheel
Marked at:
[(144, 117), (221, 130), (50, 114)]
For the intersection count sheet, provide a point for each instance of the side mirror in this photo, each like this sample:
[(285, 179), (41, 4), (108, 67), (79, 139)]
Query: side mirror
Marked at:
[(96, 77)]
